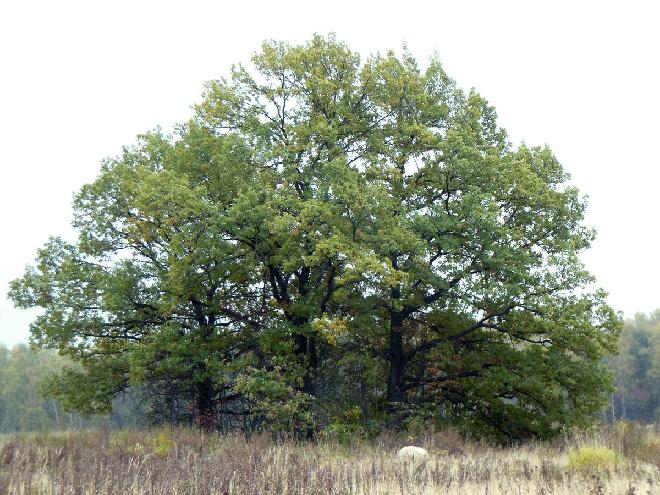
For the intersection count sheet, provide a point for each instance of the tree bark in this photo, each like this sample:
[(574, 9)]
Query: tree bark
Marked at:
[(205, 390), (206, 417), (396, 392), (305, 349)]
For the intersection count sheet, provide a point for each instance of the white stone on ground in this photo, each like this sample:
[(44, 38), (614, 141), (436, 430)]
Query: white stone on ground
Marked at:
[(411, 452)]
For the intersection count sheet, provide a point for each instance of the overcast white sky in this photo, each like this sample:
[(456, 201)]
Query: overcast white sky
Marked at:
[(80, 79)]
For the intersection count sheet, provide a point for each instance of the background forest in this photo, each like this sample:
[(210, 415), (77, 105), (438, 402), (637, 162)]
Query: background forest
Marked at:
[(636, 371), (23, 372)]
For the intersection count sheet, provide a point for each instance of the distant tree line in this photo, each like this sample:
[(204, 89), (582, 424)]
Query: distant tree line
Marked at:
[(23, 374), (636, 371)]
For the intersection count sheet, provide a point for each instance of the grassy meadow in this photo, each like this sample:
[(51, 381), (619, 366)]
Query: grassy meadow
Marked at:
[(620, 460)]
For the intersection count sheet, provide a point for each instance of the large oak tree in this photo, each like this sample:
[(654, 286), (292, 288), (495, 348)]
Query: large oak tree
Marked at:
[(327, 234)]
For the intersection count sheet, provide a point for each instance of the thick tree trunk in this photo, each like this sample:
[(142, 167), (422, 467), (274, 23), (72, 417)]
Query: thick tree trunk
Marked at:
[(204, 389), (305, 349), (205, 397), (206, 404), (396, 391)]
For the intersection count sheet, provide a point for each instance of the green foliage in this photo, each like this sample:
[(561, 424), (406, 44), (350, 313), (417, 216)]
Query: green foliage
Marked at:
[(162, 443), (283, 406), (325, 235), (592, 458), (343, 432)]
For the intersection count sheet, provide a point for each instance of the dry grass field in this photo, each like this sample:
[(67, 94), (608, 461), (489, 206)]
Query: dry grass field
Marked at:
[(622, 460)]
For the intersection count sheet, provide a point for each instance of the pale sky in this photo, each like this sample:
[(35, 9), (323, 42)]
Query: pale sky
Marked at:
[(80, 79)]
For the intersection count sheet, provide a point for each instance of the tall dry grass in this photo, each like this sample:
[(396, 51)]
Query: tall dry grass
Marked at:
[(182, 461)]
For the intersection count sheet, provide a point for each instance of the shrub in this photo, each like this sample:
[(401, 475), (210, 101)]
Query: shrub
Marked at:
[(591, 458), (162, 443), (342, 432)]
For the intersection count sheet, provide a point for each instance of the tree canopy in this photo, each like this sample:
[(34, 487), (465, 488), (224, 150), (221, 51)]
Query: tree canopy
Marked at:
[(330, 241)]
